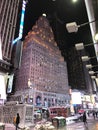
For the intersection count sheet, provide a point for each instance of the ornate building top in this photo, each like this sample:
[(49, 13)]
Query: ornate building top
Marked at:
[(39, 30)]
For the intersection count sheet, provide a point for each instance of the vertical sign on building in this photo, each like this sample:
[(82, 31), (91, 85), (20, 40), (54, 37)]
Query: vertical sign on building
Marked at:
[(10, 83), (21, 22)]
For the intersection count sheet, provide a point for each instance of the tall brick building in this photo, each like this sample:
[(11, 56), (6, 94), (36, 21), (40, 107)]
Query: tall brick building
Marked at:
[(44, 66)]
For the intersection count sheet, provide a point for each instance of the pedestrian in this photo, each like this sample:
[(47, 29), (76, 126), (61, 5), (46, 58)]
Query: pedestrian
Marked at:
[(84, 118), (94, 114), (17, 121), (88, 113), (47, 114)]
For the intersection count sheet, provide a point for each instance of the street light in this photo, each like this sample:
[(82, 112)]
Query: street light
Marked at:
[(92, 72), (80, 46), (86, 58), (73, 27), (89, 66), (96, 37), (74, 1), (93, 77)]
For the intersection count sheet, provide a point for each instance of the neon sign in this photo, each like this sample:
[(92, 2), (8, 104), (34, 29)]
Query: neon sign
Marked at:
[(21, 22)]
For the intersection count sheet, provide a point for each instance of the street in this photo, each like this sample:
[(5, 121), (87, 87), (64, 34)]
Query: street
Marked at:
[(91, 125)]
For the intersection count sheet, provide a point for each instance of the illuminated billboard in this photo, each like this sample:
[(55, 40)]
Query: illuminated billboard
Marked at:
[(2, 87), (10, 83), (76, 98)]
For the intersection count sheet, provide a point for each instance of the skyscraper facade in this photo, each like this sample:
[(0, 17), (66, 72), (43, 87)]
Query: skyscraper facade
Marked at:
[(79, 77), (8, 19), (42, 65)]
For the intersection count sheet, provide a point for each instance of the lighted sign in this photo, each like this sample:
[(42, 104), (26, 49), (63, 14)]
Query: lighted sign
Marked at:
[(2, 87), (21, 22), (76, 98), (10, 83)]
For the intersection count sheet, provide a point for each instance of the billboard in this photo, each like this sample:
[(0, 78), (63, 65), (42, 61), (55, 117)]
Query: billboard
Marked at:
[(2, 87), (76, 98), (10, 83)]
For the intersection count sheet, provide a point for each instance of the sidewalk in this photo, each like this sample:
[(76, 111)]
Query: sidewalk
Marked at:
[(12, 126), (9, 127)]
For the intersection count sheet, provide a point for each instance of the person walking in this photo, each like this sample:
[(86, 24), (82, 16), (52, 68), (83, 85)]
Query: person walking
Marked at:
[(84, 118), (17, 121), (94, 114)]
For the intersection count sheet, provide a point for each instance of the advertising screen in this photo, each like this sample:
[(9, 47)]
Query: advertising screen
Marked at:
[(2, 87), (76, 98)]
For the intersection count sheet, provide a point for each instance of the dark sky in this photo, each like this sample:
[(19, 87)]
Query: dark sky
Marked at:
[(59, 12)]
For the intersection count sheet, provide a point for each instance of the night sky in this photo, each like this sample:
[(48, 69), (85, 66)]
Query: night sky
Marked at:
[(59, 12)]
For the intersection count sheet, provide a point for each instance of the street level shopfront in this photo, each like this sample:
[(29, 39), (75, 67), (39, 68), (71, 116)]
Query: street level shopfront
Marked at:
[(41, 99)]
